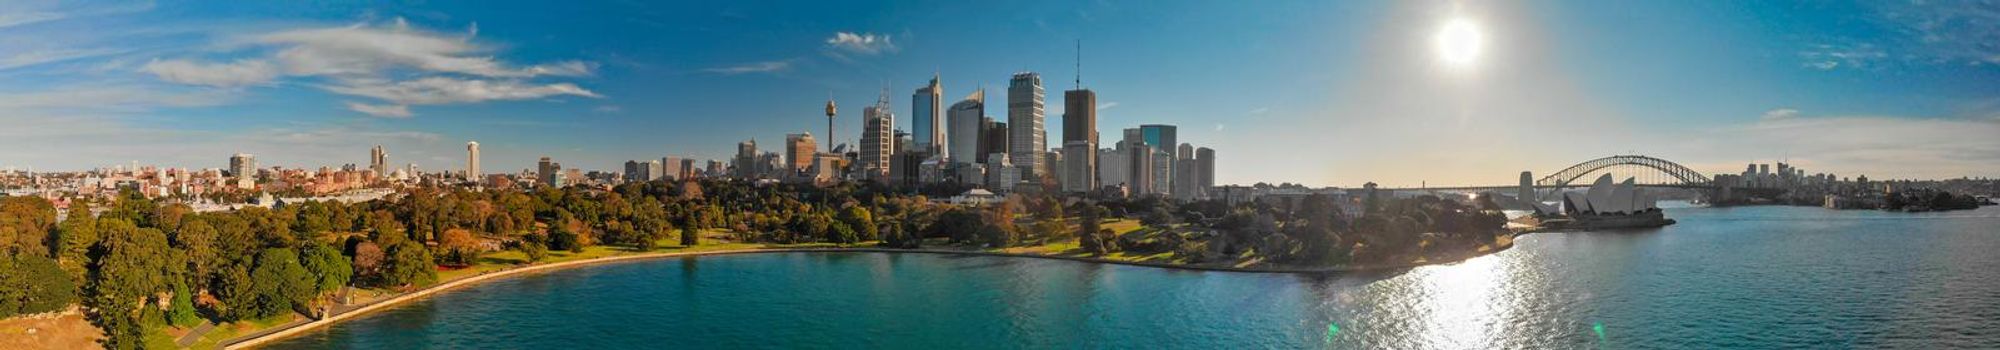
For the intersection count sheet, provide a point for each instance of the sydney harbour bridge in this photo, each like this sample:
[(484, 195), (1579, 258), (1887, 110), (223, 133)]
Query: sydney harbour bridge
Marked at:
[(1646, 171)]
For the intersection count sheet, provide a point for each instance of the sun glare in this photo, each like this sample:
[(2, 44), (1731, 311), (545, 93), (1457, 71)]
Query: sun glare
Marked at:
[(1460, 42)]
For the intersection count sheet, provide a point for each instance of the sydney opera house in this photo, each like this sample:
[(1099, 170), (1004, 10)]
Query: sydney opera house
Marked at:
[(1604, 205)]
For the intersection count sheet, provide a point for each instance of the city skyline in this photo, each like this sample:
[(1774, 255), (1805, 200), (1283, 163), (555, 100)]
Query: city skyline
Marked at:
[(1876, 89)]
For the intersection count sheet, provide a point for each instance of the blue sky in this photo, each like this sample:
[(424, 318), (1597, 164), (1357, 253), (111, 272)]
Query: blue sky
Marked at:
[(1316, 92)]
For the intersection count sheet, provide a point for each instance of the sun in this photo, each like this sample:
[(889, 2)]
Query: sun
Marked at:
[(1459, 43)]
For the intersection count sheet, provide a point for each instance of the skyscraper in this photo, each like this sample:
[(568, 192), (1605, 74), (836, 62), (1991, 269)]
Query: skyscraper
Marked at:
[(1161, 137), (746, 159), (965, 127), (877, 138), (472, 162), (378, 160), (244, 167), (799, 151), (1205, 172), (992, 139), (1080, 125), (549, 172), (1024, 122), (1184, 173), (671, 168), (927, 118)]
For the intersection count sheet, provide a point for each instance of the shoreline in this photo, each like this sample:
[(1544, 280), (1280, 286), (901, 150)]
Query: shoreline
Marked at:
[(270, 336)]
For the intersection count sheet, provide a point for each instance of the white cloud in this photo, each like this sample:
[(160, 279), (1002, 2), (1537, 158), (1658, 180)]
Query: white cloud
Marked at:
[(35, 57), (234, 74), (106, 98), (864, 43), (26, 18), (756, 67), (1780, 114), (360, 49), (1107, 105), (386, 111), (443, 90)]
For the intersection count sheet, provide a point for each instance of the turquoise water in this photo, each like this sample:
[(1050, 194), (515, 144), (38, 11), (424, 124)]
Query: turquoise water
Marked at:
[(1751, 277)]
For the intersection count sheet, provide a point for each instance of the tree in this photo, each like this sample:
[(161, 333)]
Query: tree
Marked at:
[(532, 246), (690, 229), (1090, 233), (135, 264), (563, 239), (32, 284), (181, 312), (861, 221), (25, 223), (460, 247), (75, 239), (196, 238), (280, 283), (329, 269), (409, 264), (238, 293), (368, 261)]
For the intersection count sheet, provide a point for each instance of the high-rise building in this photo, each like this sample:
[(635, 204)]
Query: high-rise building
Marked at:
[(635, 171), (992, 139), (472, 162), (1205, 173), (1184, 173), (244, 167), (964, 117), (549, 173), (799, 151), (1141, 181), (1161, 137), (378, 160), (1080, 125), (746, 160), (673, 168), (1114, 167), (877, 138), (1025, 134), (927, 118)]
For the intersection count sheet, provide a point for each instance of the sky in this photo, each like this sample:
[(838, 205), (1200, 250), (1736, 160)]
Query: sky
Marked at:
[(1314, 92)]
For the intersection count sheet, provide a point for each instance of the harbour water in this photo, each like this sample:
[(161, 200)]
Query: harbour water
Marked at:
[(1744, 277)]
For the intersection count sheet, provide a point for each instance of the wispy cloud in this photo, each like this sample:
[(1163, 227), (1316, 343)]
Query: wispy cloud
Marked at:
[(862, 43), (10, 19), (36, 57), (386, 111), (445, 90), (754, 67), (392, 63), (1107, 105), (233, 74), (1915, 32), (1780, 114)]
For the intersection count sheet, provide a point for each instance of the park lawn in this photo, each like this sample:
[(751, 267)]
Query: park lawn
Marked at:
[(157, 338)]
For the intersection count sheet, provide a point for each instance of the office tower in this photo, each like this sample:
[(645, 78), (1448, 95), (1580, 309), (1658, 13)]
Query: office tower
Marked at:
[(1161, 137), (1001, 174), (829, 123), (714, 168), (964, 117), (635, 171), (244, 167), (653, 170), (799, 151), (992, 139), (1204, 159), (472, 162), (1114, 167), (378, 160), (686, 171), (746, 159), (1080, 125), (1184, 173), (877, 138), (1133, 137), (1078, 174), (927, 118), (1141, 182), (549, 172), (671, 168), (1025, 134)]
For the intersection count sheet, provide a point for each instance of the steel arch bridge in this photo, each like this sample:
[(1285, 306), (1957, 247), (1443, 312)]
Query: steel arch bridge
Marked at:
[(1681, 175)]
